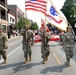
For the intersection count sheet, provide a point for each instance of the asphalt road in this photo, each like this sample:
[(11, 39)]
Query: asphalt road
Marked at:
[(56, 64)]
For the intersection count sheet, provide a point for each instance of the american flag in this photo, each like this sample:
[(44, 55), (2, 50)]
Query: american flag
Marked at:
[(37, 5)]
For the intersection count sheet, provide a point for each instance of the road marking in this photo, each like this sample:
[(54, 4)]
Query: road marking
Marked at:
[(11, 53), (15, 42), (56, 58)]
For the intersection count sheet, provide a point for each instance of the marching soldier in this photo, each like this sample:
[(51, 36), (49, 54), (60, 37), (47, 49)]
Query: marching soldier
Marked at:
[(45, 49), (27, 39), (68, 41), (3, 44)]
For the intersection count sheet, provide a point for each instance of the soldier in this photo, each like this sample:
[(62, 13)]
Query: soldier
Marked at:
[(68, 41), (27, 39), (3, 44), (45, 49)]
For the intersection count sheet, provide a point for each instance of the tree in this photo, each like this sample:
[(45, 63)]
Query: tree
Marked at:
[(16, 26), (23, 22), (34, 26), (69, 10)]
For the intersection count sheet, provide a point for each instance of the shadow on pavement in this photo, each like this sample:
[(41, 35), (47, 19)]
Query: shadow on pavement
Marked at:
[(5, 66), (20, 66), (54, 69), (25, 66)]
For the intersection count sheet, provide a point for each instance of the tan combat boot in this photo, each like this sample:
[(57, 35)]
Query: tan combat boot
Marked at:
[(46, 58), (26, 60), (5, 61), (30, 58), (68, 63), (44, 61)]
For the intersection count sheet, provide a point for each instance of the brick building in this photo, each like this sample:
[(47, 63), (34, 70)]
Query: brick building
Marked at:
[(3, 14), (17, 11), (11, 20)]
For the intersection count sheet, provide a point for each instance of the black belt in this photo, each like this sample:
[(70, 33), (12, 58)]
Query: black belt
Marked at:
[(45, 45), (26, 41)]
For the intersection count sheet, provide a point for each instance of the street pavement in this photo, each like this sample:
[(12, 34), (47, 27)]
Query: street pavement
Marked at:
[(56, 64)]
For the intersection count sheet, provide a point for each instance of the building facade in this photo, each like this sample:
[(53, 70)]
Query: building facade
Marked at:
[(17, 11), (3, 14), (11, 20)]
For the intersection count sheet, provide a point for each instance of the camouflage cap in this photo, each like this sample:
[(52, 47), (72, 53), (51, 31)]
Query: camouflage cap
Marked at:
[(1, 27)]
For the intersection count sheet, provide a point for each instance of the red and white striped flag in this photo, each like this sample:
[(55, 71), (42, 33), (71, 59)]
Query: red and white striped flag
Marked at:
[(43, 26), (37, 5), (42, 23)]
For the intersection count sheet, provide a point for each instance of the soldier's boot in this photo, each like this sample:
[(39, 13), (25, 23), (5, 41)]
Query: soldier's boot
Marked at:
[(44, 61), (47, 54), (30, 58), (46, 58), (68, 62), (5, 60), (26, 60)]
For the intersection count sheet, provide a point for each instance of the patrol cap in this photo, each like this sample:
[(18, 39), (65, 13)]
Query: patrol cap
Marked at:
[(1, 27)]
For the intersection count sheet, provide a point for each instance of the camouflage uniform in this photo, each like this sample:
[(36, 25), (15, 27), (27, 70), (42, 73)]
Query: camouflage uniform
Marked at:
[(45, 49), (63, 37), (32, 37), (3, 45), (68, 41), (27, 39)]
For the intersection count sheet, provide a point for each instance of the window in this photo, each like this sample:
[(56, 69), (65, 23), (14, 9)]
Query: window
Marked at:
[(4, 28), (10, 18)]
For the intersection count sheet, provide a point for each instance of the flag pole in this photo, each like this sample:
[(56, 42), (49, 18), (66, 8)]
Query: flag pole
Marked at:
[(26, 18), (45, 22), (25, 10)]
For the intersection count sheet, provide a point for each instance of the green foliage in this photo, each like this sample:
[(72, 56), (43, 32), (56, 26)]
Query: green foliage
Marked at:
[(69, 10), (34, 26), (23, 22), (16, 26)]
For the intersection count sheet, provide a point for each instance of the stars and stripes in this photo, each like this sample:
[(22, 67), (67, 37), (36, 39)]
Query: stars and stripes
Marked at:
[(37, 5)]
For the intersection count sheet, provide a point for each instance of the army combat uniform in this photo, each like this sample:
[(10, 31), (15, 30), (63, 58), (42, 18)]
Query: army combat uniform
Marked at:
[(3, 45), (68, 41), (27, 39), (45, 49), (32, 37)]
